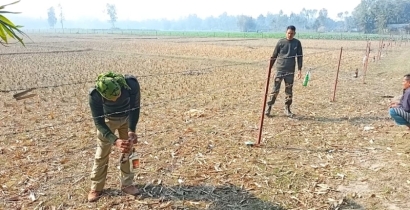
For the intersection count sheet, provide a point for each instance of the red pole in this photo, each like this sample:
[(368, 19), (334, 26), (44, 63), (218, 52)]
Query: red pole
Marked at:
[(366, 62), (401, 40), (337, 74), (381, 49), (365, 58), (378, 50), (264, 105)]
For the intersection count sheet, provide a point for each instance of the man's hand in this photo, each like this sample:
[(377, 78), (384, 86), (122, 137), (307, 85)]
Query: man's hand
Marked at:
[(133, 137), (300, 74), (123, 145), (394, 105)]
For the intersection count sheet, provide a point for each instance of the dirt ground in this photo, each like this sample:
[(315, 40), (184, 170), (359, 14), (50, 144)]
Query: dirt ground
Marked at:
[(201, 101)]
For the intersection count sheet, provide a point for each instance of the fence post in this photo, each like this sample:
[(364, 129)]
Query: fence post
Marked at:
[(366, 61), (264, 104), (337, 75), (381, 49)]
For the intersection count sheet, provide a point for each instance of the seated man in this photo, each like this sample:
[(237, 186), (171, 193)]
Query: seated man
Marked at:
[(400, 111)]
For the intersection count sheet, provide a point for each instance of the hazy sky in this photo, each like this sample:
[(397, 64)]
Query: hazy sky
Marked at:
[(173, 9)]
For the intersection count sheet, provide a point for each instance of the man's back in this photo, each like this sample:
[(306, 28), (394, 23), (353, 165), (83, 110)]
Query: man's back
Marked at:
[(121, 105)]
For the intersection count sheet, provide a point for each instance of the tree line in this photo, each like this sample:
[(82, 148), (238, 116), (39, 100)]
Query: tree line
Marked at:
[(370, 16), (374, 16)]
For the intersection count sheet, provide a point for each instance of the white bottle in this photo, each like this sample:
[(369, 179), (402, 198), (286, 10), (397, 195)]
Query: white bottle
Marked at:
[(134, 161)]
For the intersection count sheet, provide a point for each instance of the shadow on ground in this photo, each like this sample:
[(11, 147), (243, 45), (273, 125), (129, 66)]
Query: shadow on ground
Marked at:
[(219, 198), (352, 120), (347, 204)]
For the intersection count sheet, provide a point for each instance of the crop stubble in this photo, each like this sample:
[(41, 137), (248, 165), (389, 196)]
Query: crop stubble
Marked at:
[(200, 102)]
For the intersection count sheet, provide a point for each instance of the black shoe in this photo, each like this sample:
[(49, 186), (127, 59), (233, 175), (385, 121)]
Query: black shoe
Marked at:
[(288, 112), (267, 112)]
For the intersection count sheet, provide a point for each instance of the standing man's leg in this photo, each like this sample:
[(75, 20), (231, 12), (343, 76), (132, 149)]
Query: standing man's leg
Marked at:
[(126, 176), (289, 79), (99, 170), (275, 92)]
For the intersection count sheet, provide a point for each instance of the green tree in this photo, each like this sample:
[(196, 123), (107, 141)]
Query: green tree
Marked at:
[(375, 15), (260, 22), (7, 28), (62, 18), (405, 6), (246, 23), (112, 12), (385, 14), (52, 20), (364, 16)]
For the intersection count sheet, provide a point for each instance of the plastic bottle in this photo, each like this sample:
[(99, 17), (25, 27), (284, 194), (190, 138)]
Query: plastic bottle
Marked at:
[(134, 161), (306, 80)]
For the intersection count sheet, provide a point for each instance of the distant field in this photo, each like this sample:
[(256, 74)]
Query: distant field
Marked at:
[(203, 34), (201, 101)]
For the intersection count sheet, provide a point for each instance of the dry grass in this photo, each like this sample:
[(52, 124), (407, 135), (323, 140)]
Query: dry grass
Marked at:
[(194, 124)]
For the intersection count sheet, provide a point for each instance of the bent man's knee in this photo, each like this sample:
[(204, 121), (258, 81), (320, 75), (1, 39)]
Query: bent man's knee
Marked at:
[(392, 112)]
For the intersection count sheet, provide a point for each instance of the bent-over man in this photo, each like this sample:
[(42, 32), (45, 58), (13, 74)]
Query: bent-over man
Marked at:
[(115, 105)]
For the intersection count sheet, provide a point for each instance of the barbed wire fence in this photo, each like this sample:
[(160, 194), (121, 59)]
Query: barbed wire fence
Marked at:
[(79, 176), (324, 71), (201, 70), (151, 75), (211, 91)]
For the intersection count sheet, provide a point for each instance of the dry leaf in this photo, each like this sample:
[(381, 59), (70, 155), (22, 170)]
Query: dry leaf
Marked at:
[(15, 198), (165, 205), (258, 185), (322, 188), (32, 196), (194, 113)]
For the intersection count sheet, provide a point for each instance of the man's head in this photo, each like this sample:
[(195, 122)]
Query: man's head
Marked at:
[(290, 32), (406, 81), (109, 85), (108, 88)]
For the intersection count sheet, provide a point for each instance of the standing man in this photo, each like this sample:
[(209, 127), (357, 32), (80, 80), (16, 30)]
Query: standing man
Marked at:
[(400, 111), (286, 52), (115, 105)]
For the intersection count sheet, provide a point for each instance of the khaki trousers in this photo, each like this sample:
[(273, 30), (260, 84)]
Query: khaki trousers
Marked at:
[(99, 170)]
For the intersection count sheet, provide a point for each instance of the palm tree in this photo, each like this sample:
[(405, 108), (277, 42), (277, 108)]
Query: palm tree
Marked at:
[(7, 28)]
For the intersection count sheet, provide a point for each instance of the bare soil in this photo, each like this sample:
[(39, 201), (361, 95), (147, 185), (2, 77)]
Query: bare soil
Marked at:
[(201, 101)]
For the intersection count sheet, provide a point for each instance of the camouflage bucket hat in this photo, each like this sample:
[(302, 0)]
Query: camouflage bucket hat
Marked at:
[(108, 88), (109, 85)]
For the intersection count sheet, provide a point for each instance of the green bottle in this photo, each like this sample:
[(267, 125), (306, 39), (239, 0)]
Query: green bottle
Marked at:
[(306, 80)]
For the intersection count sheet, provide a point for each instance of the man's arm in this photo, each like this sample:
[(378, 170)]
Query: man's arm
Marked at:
[(274, 55), (405, 102), (97, 110), (135, 101), (300, 56)]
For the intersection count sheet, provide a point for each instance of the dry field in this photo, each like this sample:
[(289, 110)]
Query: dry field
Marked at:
[(201, 101)]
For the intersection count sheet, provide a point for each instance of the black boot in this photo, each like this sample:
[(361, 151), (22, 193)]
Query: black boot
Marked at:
[(267, 111), (287, 111)]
